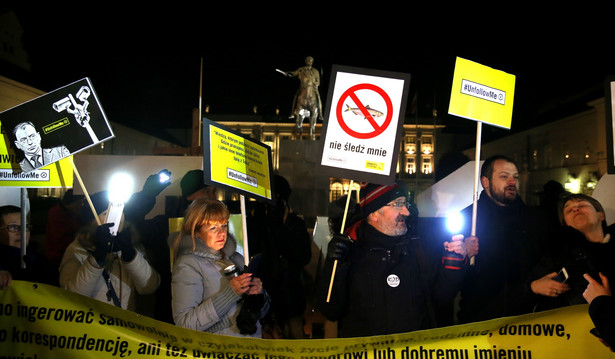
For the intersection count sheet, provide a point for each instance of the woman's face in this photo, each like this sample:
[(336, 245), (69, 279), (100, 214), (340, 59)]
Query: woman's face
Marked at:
[(214, 235), (581, 215)]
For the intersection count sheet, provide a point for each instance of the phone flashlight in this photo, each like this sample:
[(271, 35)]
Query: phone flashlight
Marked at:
[(164, 176)]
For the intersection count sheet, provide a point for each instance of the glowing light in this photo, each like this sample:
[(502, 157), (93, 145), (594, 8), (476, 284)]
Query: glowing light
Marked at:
[(454, 223), (573, 185), (120, 187), (164, 177)]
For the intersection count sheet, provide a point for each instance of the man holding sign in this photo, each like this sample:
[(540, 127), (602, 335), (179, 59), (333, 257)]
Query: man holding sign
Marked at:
[(512, 237), (386, 281)]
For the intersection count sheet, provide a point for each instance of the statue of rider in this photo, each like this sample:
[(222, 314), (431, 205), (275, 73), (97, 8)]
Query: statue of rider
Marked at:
[(308, 77)]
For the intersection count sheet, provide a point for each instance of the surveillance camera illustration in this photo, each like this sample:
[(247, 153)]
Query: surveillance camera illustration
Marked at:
[(79, 110)]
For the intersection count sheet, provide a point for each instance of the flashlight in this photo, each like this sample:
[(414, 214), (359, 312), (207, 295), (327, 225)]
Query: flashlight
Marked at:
[(454, 224), (120, 188), (164, 176)]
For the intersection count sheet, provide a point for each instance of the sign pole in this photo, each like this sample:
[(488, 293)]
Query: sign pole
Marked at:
[(85, 192), (341, 231), (246, 257), (24, 221), (476, 180)]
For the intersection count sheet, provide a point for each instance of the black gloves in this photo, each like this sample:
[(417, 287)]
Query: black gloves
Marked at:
[(105, 242), (339, 247), (123, 242), (250, 313), (153, 186), (102, 240)]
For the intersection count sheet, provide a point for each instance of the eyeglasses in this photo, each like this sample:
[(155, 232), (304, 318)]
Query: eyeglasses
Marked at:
[(400, 205), (14, 228)]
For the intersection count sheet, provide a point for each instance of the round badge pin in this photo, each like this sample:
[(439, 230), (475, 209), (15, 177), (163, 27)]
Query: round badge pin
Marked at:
[(393, 280)]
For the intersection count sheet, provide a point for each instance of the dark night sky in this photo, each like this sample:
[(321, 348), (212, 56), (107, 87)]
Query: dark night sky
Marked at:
[(146, 69)]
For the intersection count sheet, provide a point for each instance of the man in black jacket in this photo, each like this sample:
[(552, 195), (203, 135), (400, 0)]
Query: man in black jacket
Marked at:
[(512, 238), (385, 281)]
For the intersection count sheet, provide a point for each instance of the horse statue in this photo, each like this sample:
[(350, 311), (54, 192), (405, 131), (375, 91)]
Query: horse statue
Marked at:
[(306, 104)]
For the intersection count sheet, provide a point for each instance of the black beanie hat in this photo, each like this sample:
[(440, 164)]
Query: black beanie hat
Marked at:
[(374, 196)]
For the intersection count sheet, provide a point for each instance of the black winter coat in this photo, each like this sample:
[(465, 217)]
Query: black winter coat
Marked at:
[(388, 285), (512, 239), (578, 256)]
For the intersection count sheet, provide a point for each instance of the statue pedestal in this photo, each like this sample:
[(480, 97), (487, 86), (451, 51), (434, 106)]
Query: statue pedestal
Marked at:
[(300, 165)]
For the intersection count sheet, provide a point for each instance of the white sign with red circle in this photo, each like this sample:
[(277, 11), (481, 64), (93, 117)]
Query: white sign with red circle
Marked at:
[(363, 121)]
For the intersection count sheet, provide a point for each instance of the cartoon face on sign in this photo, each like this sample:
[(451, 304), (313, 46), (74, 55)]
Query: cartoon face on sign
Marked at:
[(54, 126), (28, 138)]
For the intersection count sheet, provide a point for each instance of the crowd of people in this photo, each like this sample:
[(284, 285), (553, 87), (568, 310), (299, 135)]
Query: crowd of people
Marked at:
[(380, 275)]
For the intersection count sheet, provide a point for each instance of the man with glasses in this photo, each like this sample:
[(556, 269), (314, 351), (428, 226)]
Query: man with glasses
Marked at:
[(386, 280), (28, 140), (36, 268)]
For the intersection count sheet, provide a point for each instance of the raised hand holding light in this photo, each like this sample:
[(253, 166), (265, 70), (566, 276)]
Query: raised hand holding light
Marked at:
[(454, 256)]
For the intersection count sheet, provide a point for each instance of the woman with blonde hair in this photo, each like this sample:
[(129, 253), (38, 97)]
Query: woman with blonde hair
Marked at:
[(204, 298)]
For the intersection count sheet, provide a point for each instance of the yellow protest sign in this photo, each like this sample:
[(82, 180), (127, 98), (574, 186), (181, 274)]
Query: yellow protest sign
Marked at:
[(482, 94), (56, 175), (236, 162), (42, 321)]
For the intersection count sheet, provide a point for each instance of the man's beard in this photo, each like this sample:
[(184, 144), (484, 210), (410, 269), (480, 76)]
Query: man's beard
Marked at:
[(397, 229), (504, 197)]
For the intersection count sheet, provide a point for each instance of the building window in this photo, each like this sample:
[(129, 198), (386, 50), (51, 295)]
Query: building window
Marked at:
[(410, 165), (427, 165), (426, 145), (410, 145), (337, 191)]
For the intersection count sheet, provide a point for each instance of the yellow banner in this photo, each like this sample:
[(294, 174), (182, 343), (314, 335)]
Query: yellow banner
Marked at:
[(56, 175), (482, 94), (41, 321)]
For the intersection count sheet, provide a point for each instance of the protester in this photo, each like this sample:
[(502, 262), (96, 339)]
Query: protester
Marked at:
[(585, 245), (66, 218), (385, 280), (109, 268), (152, 234), (114, 268), (154, 231), (35, 268), (601, 308), (285, 250), (202, 298), (512, 238)]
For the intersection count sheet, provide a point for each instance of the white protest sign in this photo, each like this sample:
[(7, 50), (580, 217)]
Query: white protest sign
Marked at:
[(364, 115)]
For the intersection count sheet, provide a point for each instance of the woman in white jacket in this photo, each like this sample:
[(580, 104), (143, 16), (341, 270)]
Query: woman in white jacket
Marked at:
[(96, 254), (204, 298)]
